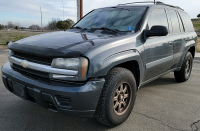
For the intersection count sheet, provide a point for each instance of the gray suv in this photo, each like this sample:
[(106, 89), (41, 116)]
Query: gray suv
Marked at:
[(95, 68)]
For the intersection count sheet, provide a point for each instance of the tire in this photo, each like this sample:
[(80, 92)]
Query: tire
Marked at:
[(186, 69), (119, 82)]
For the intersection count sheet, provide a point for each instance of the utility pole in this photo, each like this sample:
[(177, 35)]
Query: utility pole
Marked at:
[(154, 1), (63, 11), (79, 9), (41, 18)]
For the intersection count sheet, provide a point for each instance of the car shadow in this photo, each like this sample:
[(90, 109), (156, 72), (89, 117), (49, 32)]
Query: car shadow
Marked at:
[(165, 80), (22, 115)]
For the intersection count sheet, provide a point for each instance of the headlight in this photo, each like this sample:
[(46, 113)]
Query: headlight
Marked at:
[(78, 64), (10, 53)]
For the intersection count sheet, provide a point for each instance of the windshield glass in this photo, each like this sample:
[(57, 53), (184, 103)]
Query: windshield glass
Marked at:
[(119, 18)]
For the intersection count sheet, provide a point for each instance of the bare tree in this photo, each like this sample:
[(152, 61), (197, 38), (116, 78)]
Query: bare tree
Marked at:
[(17, 24), (34, 27), (45, 28), (52, 24), (6, 26), (10, 25)]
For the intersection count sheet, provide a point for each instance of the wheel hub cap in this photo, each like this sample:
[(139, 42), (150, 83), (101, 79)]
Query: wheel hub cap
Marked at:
[(187, 67), (122, 98)]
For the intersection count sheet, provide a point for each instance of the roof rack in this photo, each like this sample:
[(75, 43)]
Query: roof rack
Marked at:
[(152, 2)]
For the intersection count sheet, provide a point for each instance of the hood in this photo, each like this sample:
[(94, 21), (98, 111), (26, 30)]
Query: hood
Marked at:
[(59, 44)]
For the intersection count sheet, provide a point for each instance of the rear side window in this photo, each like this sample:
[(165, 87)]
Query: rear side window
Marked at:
[(158, 17), (180, 22), (174, 20), (187, 22)]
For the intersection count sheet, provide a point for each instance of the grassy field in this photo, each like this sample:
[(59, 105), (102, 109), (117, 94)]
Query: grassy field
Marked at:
[(198, 46), (196, 23), (14, 35)]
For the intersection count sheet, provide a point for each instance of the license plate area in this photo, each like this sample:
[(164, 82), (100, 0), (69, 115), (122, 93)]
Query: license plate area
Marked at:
[(19, 90)]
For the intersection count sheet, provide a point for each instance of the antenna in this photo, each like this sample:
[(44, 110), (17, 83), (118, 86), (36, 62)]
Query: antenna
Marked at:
[(41, 18)]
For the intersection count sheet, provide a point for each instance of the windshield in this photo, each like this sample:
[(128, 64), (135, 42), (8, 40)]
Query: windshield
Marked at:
[(118, 18)]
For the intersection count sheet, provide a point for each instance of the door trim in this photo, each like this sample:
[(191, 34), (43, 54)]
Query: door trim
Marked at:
[(158, 62)]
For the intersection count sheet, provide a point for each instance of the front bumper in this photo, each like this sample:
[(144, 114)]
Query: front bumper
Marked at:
[(73, 99)]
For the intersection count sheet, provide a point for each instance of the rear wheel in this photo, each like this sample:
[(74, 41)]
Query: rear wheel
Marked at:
[(186, 69), (117, 98)]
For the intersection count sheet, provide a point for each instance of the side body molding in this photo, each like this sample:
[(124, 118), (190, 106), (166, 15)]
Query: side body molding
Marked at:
[(97, 69), (158, 62)]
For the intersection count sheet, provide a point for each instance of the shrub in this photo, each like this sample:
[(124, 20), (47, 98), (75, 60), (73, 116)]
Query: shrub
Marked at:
[(63, 25), (1, 27)]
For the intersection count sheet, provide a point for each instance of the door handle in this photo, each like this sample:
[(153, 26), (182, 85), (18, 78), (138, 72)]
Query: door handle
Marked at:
[(170, 43)]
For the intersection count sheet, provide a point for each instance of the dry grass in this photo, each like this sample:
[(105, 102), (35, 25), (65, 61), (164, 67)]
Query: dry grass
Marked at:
[(196, 23), (198, 45), (14, 35)]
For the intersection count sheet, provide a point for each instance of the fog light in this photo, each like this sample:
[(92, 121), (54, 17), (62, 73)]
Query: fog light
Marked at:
[(61, 77)]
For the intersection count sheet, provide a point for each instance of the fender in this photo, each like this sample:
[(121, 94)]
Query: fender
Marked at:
[(188, 45), (99, 69)]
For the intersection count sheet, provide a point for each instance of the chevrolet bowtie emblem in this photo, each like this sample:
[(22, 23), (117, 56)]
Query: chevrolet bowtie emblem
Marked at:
[(24, 64)]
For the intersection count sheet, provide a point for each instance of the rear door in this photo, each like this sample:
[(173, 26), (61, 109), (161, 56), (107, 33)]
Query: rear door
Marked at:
[(189, 36), (158, 50), (178, 35)]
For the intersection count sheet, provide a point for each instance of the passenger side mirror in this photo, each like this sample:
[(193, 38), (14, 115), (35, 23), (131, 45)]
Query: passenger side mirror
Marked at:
[(156, 31)]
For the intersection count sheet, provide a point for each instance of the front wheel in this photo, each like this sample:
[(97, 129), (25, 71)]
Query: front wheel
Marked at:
[(117, 98), (186, 69)]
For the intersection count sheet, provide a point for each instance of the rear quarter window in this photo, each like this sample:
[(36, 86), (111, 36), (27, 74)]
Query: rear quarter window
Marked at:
[(180, 23), (187, 22), (175, 22)]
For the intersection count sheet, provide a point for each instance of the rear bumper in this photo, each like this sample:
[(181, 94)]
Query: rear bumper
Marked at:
[(67, 98)]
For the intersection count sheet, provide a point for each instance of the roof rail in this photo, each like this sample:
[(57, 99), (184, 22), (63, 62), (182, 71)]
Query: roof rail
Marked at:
[(141, 2), (152, 2), (161, 3)]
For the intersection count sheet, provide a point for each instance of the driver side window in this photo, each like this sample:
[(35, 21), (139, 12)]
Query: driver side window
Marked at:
[(157, 17)]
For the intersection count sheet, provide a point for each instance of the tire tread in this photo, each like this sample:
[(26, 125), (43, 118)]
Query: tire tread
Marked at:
[(101, 111)]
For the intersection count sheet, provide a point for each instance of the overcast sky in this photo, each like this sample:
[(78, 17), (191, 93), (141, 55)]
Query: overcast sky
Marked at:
[(27, 12)]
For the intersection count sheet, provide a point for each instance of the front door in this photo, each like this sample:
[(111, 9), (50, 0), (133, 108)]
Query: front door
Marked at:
[(158, 50)]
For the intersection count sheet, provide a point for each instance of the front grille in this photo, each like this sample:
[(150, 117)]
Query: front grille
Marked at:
[(30, 71), (33, 58)]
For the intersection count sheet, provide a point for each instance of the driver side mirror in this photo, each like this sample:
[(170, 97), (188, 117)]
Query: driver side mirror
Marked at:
[(156, 31)]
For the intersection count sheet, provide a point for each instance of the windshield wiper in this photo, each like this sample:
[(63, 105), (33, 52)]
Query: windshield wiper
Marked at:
[(78, 27), (104, 28), (121, 8)]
